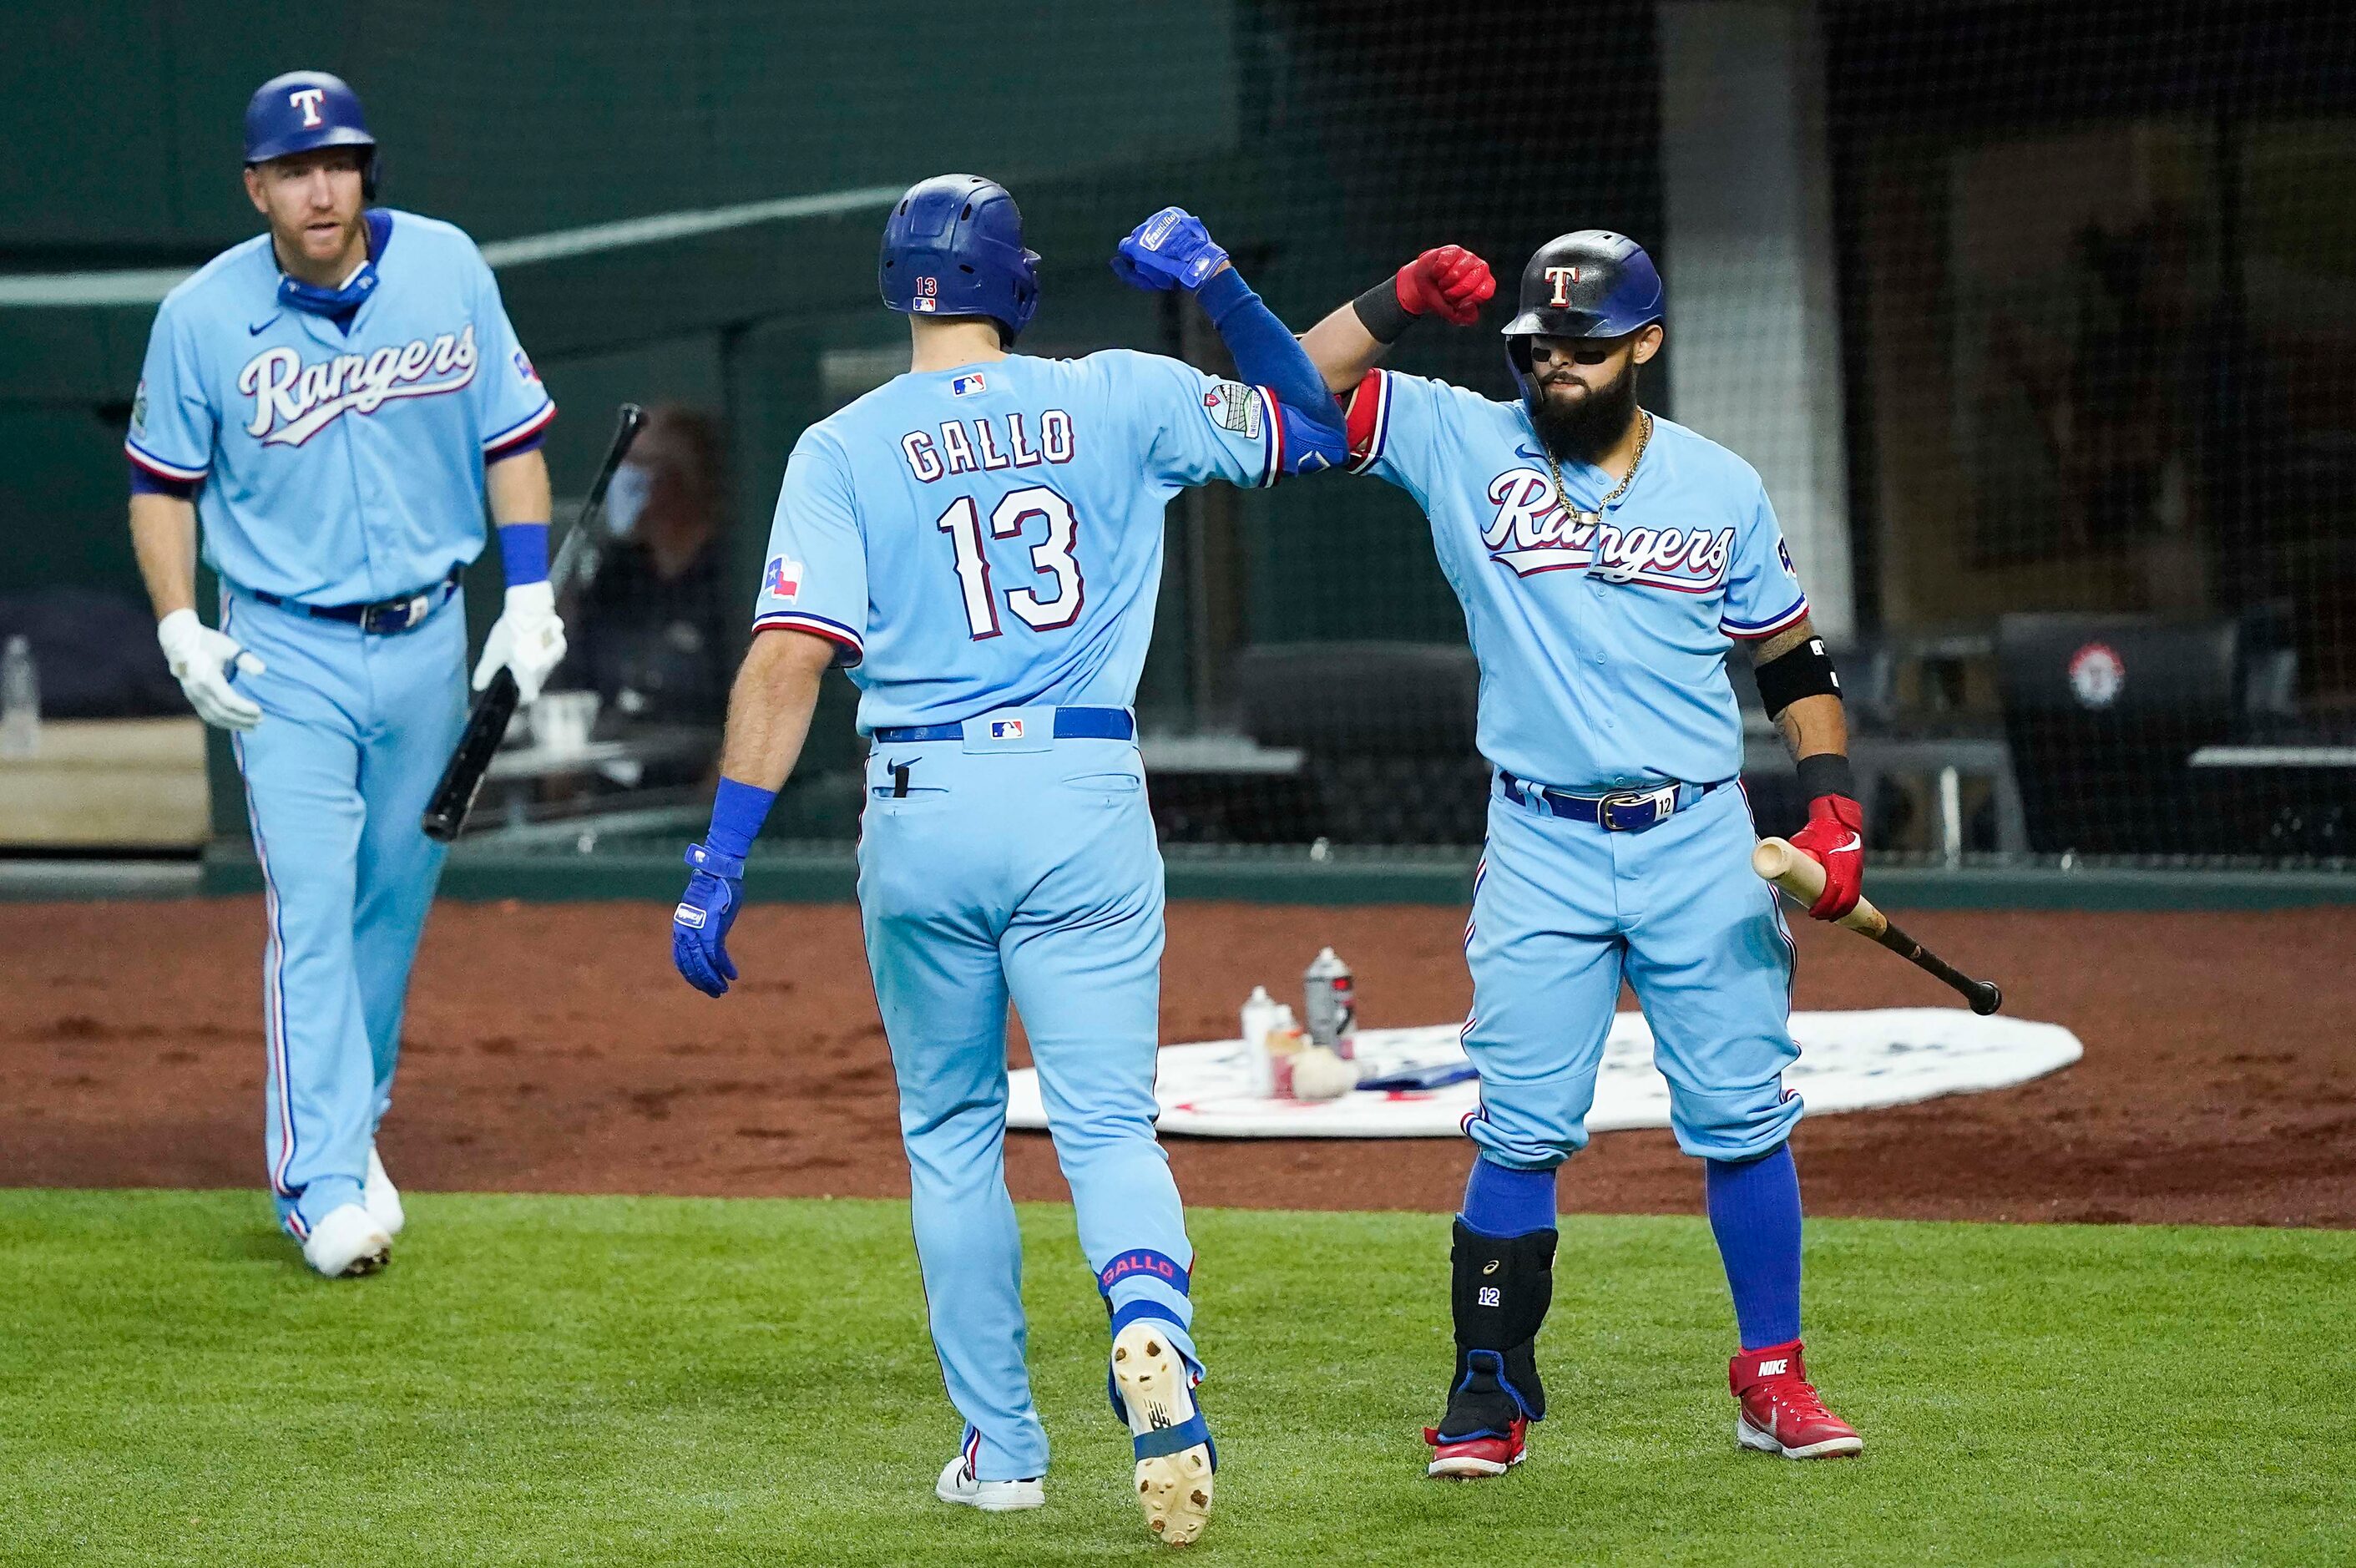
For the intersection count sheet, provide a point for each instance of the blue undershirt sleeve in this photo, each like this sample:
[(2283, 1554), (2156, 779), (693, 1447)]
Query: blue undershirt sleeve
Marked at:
[(1267, 354)]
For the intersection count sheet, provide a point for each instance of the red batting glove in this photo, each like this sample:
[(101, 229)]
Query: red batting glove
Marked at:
[(1449, 281), (1835, 838)]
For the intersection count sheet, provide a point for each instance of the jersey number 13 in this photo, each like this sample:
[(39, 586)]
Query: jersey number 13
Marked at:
[(1051, 557)]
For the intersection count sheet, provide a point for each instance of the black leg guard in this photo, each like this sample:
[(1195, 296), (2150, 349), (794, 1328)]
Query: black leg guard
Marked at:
[(1500, 1293)]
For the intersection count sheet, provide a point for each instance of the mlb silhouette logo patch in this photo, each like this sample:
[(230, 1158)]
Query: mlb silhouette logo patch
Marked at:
[(965, 386), (1006, 729), (783, 578), (523, 366)]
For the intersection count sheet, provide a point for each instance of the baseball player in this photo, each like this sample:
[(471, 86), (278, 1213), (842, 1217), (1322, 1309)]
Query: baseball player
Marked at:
[(333, 400), (980, 541), (1607, 561)]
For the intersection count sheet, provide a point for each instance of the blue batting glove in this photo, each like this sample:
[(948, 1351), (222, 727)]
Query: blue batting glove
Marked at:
[(698, 926), (1170, 250)]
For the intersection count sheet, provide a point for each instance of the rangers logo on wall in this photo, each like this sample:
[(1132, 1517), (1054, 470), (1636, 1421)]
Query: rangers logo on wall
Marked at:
[(2096, 675)]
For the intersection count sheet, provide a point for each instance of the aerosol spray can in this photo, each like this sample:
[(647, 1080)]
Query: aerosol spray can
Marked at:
[(1259, 1018), (1330, 1004)]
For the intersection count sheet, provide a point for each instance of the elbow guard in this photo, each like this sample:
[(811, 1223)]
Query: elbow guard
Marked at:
[(1806, 672), (1305, 442)]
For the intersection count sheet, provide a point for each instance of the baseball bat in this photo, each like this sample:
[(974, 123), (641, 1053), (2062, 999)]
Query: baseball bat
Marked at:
[(487, 725), (1799, 875)]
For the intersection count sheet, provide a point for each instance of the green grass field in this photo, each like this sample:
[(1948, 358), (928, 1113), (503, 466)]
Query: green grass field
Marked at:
[(610, 1380)]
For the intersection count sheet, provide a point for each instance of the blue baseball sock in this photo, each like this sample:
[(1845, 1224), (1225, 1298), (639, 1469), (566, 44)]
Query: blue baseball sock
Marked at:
[(1754, 1210), (1502, 1202)]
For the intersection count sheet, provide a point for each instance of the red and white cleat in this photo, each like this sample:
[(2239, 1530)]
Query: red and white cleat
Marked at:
[(1473, 1457), (1781, 1412)]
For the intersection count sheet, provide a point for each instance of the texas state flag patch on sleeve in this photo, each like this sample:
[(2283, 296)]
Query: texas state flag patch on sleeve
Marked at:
[(783, 580)]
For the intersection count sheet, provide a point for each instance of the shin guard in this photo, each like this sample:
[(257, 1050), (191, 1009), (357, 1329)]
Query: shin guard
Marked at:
[(1499, 1292)]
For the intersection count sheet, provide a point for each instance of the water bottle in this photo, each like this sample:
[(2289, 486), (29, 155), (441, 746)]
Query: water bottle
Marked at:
[(20, 700), (1258, 1020), (1330, 1004)]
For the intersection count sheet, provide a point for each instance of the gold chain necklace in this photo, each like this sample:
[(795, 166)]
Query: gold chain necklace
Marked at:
[(1562, 499)]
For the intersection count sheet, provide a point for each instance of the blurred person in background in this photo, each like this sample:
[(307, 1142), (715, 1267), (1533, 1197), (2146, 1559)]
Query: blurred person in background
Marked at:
[(651, 628)]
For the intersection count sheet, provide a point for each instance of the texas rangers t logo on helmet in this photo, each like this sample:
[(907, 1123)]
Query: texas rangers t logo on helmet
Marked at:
[(1562, 278), (307, 99)]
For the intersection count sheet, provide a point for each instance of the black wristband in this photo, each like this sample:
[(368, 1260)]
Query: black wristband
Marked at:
[(1827, 773), (1380, 312)]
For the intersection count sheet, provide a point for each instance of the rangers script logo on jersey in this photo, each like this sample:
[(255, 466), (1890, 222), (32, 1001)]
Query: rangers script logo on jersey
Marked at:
[(1531, 532), (294, 402)]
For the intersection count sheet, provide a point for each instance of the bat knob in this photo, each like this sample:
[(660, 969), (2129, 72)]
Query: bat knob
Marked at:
[(1986, 997)]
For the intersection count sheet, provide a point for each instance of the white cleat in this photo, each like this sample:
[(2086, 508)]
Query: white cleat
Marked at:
[(958, 1484), (347, 1243), (381, 1198), (1174, 1489)]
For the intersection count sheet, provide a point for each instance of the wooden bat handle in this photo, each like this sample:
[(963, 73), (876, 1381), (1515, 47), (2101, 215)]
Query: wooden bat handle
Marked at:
[(1799, 875), (1803, 879)]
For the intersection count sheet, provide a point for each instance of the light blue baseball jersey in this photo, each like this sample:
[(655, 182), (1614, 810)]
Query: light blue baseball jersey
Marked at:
[(990, 536), (337, 466), (1601, 639)]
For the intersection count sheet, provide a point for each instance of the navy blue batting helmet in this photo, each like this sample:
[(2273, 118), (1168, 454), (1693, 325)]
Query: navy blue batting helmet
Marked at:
[(301, 112), (953, 246), (1590, 283)]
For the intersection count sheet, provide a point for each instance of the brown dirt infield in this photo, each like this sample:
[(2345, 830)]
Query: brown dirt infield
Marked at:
[(550, 1048)]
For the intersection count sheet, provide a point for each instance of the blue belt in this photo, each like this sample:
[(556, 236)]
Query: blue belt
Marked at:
[(1620, 812), (1071, 723), (404, 613)]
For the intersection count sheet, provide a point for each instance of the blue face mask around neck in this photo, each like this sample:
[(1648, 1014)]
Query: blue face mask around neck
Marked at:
[(293, 292)]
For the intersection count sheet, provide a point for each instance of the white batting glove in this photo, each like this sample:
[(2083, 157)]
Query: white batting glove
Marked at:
[(527, 639), (204, 660)]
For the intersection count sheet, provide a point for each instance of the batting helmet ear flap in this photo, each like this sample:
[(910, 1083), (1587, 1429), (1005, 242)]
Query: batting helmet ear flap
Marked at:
[(1517, 355)]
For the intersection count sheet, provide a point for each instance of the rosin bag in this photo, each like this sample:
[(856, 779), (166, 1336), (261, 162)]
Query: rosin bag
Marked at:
[(1318, 1073)]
